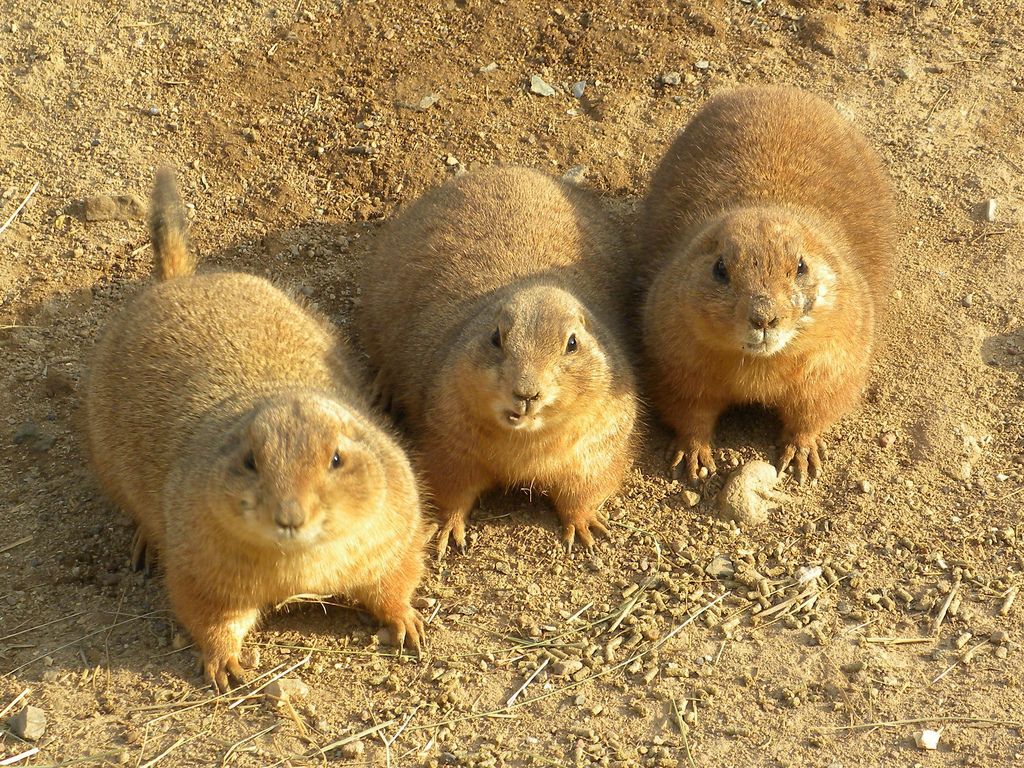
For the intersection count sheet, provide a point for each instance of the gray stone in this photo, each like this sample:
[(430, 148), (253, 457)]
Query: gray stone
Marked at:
[(671, 78), (113, 208), (691, 498), (29, 724), (566, 667), (576, 174), (428, 101), (539, 87), (287, 688), (720, 567)]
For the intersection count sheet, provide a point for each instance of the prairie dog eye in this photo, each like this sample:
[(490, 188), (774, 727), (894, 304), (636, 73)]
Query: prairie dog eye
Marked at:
[(250, 461), (496, 338), (801, 267), (720, 273), (336, 460), (571, 345)]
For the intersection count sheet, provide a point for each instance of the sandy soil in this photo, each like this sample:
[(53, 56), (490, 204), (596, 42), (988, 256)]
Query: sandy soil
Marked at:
[(297, 128)]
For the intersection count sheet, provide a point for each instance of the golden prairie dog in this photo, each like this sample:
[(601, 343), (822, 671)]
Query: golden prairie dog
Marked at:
[(767, 238), (226, 419), (491, 309)]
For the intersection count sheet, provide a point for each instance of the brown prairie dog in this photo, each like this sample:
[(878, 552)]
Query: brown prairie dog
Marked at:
[(491, 309), (226, 419), (768, 235)]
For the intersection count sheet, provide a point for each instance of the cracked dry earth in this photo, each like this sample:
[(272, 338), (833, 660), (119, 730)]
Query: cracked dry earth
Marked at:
[(872, 605)]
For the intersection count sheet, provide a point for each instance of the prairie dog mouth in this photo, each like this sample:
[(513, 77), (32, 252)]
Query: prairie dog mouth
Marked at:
[(761, 343), (518, 420), (523, 421)]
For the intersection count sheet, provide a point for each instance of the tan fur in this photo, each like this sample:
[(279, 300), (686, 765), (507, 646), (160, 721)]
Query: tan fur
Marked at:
[(511, 251), (762, 178), (200, 376), (167, 229)]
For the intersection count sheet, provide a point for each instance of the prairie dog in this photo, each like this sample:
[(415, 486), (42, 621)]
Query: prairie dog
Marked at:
[(768, 236), (491, 310), (228, 421)]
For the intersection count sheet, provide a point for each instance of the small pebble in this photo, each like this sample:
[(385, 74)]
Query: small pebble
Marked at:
[(989, 209), (29, 723), (999, 637), (703, 65), (927, 739), (579, 88), (576, 174), (487, 68), (671, 78), (887, 439), (864, 486), (427, 101), (539, 87), (967, 300), (691, 498), (720, 567), (567, 667), (287, 688)]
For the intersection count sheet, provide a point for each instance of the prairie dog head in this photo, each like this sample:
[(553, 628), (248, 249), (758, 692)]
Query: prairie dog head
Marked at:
[(296, 472), (759, 278), (532, 357)]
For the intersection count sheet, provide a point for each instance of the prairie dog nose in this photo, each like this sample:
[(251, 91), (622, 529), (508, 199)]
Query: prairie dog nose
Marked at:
[(762, 314), (290, 515), (525, 398)]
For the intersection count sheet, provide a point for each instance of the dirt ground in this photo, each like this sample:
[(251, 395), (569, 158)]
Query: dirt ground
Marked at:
[(297, 128)]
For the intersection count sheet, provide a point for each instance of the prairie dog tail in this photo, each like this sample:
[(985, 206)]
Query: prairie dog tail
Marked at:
[(167, 229)]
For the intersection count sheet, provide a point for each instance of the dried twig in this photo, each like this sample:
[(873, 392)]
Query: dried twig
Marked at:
[(17, 210), (965, 656), (165, 753), (935, 104), (18, 758), (533, 676), (339, 743), (14, 703), (278, 676), (918, 720), (24, 539), (945, 607), (240, 743), (899, 640)]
